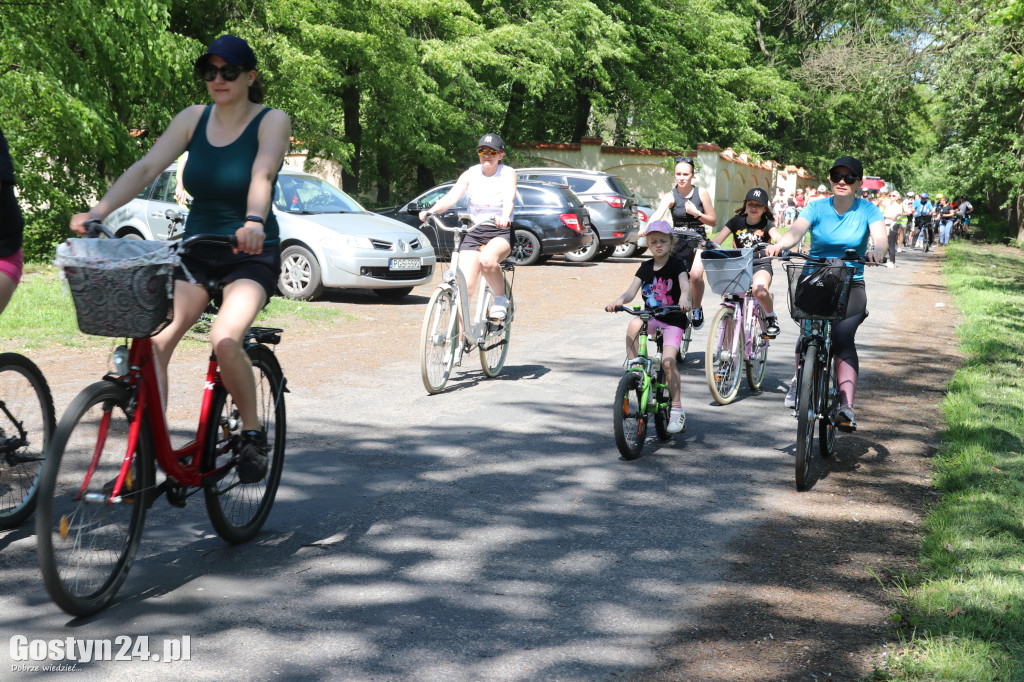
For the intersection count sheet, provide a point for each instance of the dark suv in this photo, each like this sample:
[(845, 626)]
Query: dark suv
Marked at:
[(611, 205), (548, 220)]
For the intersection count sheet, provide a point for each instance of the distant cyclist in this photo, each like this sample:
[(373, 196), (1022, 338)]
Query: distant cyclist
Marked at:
[(964, 210), (491, 190)]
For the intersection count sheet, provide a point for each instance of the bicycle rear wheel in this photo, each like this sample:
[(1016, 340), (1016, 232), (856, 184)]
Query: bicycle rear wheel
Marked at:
[(86, 543), (26, 425), (722, 358), (630, 417), (494, 347), (806, 404), (438, 337), (238, 510), (758, 362), (830, 410)]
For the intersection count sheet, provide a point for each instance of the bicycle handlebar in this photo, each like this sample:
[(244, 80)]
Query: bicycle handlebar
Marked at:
[(850, 256), (94, 229), (459, 228), (656, 311)]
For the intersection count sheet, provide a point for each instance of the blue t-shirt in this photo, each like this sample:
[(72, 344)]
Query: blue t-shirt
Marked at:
[(832, 234)]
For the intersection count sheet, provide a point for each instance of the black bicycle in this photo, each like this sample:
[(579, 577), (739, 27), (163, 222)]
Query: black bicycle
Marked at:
[(819, 290), (26, 426)]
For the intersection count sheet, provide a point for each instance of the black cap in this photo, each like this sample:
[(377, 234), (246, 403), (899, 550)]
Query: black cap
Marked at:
[(757, 194), (231, 49), (493, 141), (855, 166)]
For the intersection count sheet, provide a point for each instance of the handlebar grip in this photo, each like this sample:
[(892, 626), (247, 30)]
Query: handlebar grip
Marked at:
[(95, 228)]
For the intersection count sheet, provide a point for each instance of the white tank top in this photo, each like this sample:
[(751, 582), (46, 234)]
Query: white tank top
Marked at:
[(486, 195)]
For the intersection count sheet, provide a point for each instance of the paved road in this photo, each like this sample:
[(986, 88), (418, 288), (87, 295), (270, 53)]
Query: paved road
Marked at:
[(491, 532)]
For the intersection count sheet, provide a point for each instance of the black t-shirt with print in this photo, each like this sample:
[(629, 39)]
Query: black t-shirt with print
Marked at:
[(754, 236), (661, 287)]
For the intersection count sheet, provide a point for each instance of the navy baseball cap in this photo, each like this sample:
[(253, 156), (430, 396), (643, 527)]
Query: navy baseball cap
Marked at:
[(855, 166), (491, 140), (232, 49), (757, 194)]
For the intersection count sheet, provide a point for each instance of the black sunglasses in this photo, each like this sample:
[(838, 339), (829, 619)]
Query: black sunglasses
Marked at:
[(686, 159), (230, 72), (848, 178)]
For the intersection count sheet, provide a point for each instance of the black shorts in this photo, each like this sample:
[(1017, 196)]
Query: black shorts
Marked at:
[(685, 248), (213, 265), (478, 237)]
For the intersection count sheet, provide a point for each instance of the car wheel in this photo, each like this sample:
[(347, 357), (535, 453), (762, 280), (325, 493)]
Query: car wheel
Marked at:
[(585, 254), (640, 250), (300, 274), (131, 234), (625, 250), (604, 253), (393, 294), (525, 248)]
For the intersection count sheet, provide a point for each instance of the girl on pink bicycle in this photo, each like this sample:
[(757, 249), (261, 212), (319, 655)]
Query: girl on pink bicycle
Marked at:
[(661, 281), (753, 228)]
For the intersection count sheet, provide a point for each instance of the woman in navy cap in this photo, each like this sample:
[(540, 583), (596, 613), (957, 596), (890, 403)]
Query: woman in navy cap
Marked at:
[(842, 222), (490, 188), (236, 147)]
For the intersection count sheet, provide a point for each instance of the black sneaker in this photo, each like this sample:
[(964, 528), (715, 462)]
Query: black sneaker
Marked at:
[(698, 318), (846, 420), (252, 457), (771, 326)]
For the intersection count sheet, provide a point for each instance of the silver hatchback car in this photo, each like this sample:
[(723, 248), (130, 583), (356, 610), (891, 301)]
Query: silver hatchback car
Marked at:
[(327, 239)]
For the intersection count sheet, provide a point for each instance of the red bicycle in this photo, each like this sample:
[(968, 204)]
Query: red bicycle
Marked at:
[(99, 479)]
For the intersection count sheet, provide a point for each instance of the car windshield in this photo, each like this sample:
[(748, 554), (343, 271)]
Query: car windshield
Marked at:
[(308, 194)]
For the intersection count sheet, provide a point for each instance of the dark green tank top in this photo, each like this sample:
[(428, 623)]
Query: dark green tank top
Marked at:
[(218, 180)]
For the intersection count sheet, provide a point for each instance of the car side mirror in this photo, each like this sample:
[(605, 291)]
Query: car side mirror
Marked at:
[(413, 207)]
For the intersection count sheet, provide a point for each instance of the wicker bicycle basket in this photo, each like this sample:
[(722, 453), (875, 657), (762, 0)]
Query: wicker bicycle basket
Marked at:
[(819, 291), (729, 271), (120, 287)]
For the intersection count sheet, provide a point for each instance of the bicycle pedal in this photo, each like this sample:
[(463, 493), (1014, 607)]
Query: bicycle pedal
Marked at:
[(177, 496)]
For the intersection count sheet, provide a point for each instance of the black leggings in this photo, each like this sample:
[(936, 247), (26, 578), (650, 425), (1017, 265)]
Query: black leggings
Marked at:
[(844, 331)]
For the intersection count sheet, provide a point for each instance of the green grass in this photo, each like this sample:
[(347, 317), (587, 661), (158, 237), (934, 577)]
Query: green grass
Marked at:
[(964, 614), (41, 314)]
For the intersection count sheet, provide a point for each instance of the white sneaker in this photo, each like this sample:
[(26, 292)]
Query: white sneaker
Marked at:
[(890, 264), (791, 395), (676, 420), (499, 308), (899, 249)]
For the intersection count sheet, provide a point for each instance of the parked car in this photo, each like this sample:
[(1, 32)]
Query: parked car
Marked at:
[(644, 209), (610, 203), (548, 220), (327, 239)]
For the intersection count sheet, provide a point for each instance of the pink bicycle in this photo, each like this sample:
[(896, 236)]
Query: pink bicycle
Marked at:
[(737, 336)]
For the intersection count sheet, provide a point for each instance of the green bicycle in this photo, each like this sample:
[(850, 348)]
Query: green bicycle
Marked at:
[(642, 390)]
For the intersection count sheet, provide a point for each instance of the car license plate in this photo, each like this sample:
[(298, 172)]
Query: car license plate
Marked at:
[(405, 264)]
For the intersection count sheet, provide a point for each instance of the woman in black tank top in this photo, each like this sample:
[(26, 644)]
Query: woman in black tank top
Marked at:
[(692, 213), (250, 273)]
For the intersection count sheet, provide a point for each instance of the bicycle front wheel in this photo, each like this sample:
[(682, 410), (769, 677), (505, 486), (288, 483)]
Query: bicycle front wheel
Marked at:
[(26, 425), (87, 541), (758, 362), (630, 415), (494, 347), (830, 411), (238, 510), (438, 337), (806, 406), (722, 358)]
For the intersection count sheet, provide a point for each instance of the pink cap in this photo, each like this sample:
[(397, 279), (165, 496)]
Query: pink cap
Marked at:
[(659, 226)]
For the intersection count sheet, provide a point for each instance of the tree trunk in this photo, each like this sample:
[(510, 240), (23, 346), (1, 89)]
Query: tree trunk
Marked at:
[(383, 182), (581, 118), (353, 131), (510, 128)]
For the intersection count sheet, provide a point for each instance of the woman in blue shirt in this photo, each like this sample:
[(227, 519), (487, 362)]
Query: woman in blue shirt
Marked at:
[(837, 224)]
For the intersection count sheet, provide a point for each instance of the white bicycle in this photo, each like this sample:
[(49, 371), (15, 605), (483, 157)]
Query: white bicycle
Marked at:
[(449, 306)]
